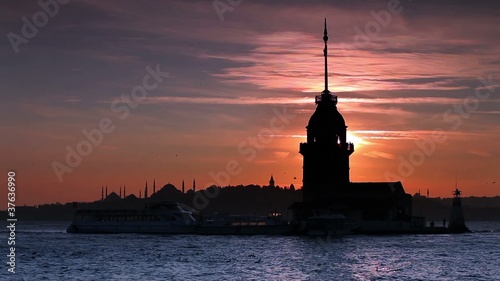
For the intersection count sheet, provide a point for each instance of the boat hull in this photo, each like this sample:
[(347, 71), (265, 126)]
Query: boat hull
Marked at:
[(179, 229), (130, 228)]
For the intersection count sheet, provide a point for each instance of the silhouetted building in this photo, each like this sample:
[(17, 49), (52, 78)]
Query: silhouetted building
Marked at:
[(271, 181), (457, 220), (183, 186), (146, 190), (112, 197), (326, 182), (326, 152), (194, 185)]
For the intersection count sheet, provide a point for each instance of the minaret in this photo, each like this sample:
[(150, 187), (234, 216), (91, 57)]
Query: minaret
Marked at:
[(102, 192), (124, 192), (271, 181), (106, 191), (326, 152), (140, 195), (120, 191), (154, 186), (194, 185), (182, 186), (146, 190)]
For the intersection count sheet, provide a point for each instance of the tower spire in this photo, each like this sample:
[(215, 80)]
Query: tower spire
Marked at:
[(325, 52)]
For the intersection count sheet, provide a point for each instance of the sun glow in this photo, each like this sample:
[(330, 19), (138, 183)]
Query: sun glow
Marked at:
[(356, 140)]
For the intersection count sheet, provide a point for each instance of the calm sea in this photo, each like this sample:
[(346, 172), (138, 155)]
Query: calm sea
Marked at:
[(45, 252)]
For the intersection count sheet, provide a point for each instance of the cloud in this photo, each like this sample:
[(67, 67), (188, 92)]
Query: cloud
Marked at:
[(395, 135), (379, 154), (481, 153), (424, 51), (293, 61), (347, 103), (281, 154)]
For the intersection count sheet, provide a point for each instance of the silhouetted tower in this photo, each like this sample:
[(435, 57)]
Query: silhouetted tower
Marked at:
[(271, 181), (457, 221), (182, 186), (146, 190), (154, 186), (194, 185), (120, 191), (124, 192), (106, 191), (140, 195), (326, 152), (102, 193)]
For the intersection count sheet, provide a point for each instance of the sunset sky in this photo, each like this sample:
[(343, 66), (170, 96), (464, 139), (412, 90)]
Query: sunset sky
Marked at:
[(417, 82)]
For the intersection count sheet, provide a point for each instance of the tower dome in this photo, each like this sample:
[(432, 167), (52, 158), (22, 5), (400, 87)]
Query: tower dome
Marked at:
[(326, 125)]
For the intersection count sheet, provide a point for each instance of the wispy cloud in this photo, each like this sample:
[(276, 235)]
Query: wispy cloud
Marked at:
[(481, 153), (281, 154), (346, 103), (379, 154)]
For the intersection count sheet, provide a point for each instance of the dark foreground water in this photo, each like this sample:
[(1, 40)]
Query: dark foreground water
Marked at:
[(45, 252)]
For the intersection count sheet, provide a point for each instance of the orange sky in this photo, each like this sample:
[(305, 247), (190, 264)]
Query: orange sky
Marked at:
[(420, 96)]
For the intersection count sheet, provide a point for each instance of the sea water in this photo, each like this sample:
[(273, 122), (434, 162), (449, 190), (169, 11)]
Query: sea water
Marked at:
[(44, 251)]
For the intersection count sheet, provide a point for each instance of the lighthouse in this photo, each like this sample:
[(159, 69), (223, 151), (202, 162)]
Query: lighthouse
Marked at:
[(457, 221)]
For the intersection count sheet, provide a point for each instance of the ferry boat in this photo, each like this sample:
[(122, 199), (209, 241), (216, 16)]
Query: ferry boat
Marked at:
[(171, 218), (165, 218)]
